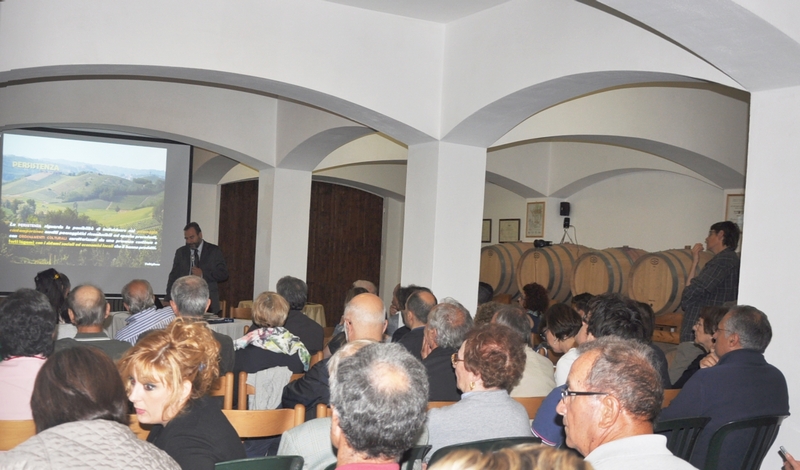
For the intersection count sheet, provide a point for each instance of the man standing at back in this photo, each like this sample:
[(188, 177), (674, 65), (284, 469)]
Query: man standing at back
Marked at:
[(716, 284), (190, 300), (295, 291), (87, 311), (199, 258), (741, 385)]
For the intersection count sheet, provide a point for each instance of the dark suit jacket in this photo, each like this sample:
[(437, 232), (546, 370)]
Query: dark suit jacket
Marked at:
[(441, 376), (413, 341), (226, 353), (308, 391), (310, 332), (211, 262), (741, 385)]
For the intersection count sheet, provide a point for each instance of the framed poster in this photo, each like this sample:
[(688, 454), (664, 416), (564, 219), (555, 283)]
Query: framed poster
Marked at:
[(734, 209), (509, 230), (486, 234), (534, 226)]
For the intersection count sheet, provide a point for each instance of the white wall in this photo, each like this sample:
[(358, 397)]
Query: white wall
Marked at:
[(205, 210)]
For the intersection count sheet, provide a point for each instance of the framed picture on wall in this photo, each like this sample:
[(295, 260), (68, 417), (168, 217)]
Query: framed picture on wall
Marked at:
[(509, 230), (534, 226), (486, 234)]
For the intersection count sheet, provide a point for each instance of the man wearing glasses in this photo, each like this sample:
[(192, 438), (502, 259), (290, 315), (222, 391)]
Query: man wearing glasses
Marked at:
[(613, 395)]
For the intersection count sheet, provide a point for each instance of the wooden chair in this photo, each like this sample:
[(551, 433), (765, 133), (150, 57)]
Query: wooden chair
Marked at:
[(487, 445), (669, 395), (242, 313), (15, 432), (683, 434), (324, 411), (275, 462), (531, 404), (315, 358), (246, 389), (264, 423), (296, 377), (141, 430), (440, 404), (223, 387), (246, 329), (764, 430)]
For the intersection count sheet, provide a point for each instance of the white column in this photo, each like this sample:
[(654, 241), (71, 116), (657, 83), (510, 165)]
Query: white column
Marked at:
[(770, 248), (444, 207), (284, 201)]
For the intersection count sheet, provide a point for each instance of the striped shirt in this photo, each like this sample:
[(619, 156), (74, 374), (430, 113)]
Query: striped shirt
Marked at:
[(146, 320)]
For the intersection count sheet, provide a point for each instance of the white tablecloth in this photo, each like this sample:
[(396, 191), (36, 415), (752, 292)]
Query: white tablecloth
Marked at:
[(116, 321)]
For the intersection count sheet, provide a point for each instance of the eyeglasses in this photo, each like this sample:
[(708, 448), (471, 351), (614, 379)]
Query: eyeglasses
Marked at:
[(571, 393), (454, 359)]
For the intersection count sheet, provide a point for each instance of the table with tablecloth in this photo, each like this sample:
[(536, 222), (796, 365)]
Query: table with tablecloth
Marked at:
[(234, 329)]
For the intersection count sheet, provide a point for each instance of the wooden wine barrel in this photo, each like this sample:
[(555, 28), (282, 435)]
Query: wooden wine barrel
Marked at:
[(499, 264), (659, 278), (605, 271), (551, 267)]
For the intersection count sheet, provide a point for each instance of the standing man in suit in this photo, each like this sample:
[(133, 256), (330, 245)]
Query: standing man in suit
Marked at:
[(199, 258)]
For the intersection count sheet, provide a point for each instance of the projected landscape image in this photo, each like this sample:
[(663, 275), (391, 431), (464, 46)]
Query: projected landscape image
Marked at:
[(81, 203)]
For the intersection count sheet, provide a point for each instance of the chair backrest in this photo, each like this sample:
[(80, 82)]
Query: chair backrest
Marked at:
[(683, 434), (264, 423), (141, 430), (531, 404), (15, 432), (223, 387), (324, 411), (669, 395), (440, 404), (764, 429), (276, 462), (296, 377), (244, 313), (316, 358), (487, 445)]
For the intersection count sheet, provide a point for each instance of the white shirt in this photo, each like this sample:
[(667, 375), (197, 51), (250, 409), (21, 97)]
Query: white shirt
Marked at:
[(646, 451)]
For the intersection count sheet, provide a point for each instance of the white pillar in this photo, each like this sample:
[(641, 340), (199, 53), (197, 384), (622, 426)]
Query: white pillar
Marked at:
[(444, 208), (770, 247), (284, 201)]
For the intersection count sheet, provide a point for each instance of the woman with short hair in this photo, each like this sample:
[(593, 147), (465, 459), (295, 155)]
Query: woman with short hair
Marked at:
[(167, 376), (81, 415), (488, 365), (561, 325)]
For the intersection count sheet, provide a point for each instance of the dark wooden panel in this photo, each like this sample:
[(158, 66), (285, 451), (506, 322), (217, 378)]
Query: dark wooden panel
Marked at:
[(344, 244), (237, 239)]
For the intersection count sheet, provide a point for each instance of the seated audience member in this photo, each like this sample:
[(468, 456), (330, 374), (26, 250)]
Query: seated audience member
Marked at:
[(137, 298), (485, 312), (537, 377), (270, 345), (364, 319), (741, 385), (415, 316), (580, 303), (395, 320), (448, 323), (366, 285), (613, 395), (56, 287), (519, 457), (189, 298), (312, 439), (87, 311), (81, 415), (791, 463), (704, 330), (398, 305), (338, 339), (488, 365), (379, 396), (561, 325), (535, 300), (27, 334), (167, 375), (295, 291), (485, 293)]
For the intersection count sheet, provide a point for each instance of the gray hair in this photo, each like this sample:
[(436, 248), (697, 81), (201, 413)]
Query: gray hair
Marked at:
[(294, 290), (362, 315), (190, 294), (451, 324), (418, 306), (752, 326), (380, 396), (624, 369), (515, 318), (452, 301), (137, 299), (347, 350), (89, 308)]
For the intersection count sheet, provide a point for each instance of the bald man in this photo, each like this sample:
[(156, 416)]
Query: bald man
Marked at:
[(87, 311), (364, 318), (415, 316), (137, 298)]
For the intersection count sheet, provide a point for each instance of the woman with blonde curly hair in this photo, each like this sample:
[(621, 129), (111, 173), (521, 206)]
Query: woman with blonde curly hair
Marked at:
[(519, 457), (167, 375)]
